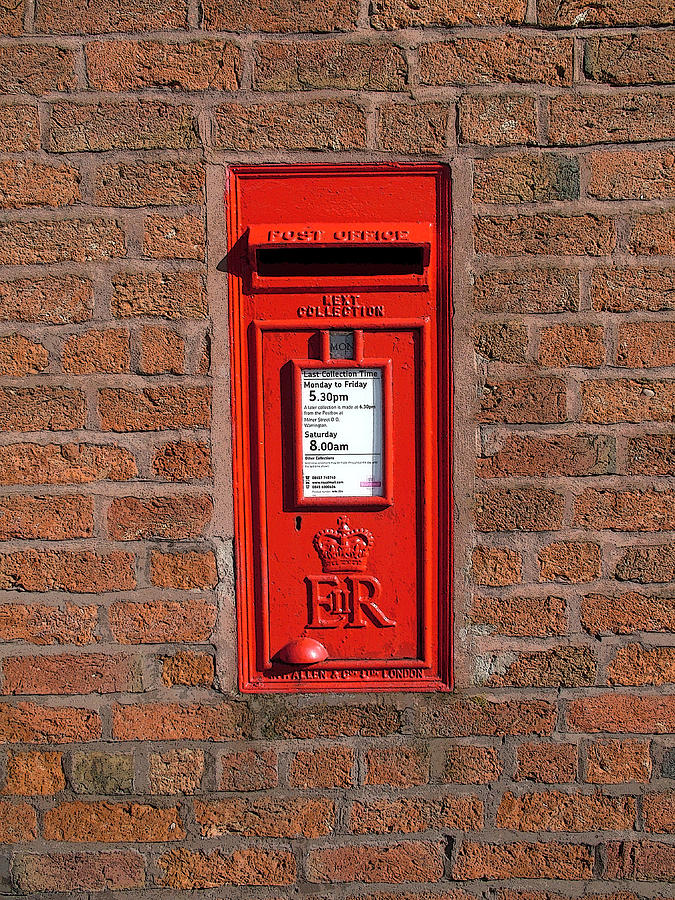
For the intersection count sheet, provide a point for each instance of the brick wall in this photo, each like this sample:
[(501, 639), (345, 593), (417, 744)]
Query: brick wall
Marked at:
[(129, 762)]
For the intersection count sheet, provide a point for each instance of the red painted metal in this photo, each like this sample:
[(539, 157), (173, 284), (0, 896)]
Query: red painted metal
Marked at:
[(343, 577)]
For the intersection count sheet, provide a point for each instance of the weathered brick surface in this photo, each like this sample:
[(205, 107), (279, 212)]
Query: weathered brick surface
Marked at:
[(131, 764), (329, 64), (618, 762), (519, 616), (527, 290)]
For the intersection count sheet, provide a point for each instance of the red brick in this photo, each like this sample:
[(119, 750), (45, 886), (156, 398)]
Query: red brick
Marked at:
[(478, 715), (97, 351), (280, 15), (108, 822), (393, 14), (547, 763), (452, 894), (659, 812), (87, 17), (632, 175), (627, 613), (525, 178), (34, 409), (400, 766), (520, 509), (571, 561), (631, 59), (37, 724), (107, 870), (183, 461), (646, 344), (497, 120), (19, 128), (11, 18), (176, 771), (52, 518), (471, 765), (534, 455), (510, 58), (627, 400), (527, 291), (326, 64), (174, 237), (154, 409), (18, 822), (336, 721), (637, 665), (251, 770), (622, 117), (42, 625), (647, 565), (50, 300), (622, 290), (311, 125), (622, 713), (41, 241), (70, 674), (186, 667), (584, 235), (154, 183), (322, 767), (561, 13), (64, 463), (640, 860), (393, 863), (496, 566), (114, 125), (408, 815), (653, 234), (170, 295), (625, 510), (523, 401), (265, 817), (519, 616), (80, 572), (523, 859), (135, 518), (618, 762), (180, 722), (24, 183), (651, 454), (572, 345), (193, 869), (505, 341), (20, 356), (558, 811), (413, 127), (183, 571), (36, 69), (557, 667), (162, 351), (135, 65), (34, 773), (163, 621)]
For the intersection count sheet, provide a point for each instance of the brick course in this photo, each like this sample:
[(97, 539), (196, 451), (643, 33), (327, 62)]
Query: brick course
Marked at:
[(130, 764)]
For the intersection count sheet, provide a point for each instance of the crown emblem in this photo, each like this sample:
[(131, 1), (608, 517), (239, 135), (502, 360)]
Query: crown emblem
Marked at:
[(343, 549)]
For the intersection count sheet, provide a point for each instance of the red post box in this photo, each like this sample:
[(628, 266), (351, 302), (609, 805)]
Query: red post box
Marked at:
[(341, 398)]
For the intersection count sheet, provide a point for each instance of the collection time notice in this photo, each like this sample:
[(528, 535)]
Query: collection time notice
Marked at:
[(342, 432)]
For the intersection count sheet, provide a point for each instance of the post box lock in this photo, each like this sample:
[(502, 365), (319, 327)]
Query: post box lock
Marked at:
[(341, 399)]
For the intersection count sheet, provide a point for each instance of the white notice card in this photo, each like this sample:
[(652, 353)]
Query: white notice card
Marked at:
[(342, 433)]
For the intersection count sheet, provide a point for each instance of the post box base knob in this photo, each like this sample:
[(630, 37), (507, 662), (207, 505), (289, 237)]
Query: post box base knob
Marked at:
[(302, 652)]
